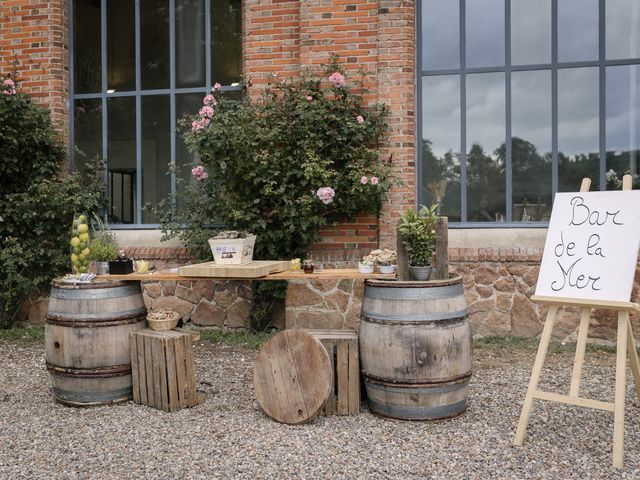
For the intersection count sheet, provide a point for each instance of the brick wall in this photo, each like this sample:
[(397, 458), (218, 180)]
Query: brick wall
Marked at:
[(34, 44)]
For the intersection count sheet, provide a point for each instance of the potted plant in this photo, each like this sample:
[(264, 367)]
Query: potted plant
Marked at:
[(104, 246), (417, 229), (365, 266), (102, 252)]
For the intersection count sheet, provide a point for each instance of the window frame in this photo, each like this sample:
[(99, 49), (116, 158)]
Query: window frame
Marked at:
[(138, 93), (601, 63)]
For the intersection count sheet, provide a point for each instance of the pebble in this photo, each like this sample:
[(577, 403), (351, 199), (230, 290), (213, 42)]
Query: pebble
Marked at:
[(227, 437)]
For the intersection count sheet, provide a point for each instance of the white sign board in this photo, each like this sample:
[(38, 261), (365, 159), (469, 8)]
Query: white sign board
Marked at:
[(591, 251)]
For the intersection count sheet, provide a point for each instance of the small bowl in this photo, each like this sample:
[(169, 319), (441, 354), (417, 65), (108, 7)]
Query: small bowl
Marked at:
[(387, 268), (365, 268)]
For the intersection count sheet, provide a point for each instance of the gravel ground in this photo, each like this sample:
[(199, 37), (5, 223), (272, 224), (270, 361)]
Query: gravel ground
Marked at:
[(229, 437)]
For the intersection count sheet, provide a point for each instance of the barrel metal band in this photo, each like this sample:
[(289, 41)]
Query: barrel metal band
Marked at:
[(407, 383), (117, 395), (443, 318), (419, 413), (435, 293), (89, 320), (98, 294), (427, 388), (98, 372)]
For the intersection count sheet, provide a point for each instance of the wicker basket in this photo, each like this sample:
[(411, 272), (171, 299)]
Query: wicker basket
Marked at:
[(163, 319)]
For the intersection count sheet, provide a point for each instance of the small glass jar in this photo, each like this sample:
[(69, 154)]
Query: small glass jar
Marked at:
[(307, 266)]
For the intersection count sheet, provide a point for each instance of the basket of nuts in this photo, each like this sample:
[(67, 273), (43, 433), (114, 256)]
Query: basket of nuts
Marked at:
[(163, 319)]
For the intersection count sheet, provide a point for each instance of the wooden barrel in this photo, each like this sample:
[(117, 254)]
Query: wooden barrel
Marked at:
[(415, 348), (87, 340)]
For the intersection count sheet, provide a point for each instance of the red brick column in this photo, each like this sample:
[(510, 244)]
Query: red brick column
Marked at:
[(34, 45)]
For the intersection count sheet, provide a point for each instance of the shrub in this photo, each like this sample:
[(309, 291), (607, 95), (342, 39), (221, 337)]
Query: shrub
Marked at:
[(37, 202), (418, 234), (280, 166)]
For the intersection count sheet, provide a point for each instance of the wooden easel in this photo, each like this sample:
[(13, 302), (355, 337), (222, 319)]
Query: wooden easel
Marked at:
[(625, 346)]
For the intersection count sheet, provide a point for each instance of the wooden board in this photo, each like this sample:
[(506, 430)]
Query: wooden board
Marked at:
[(326, 274), (292, 377), (256, 269)]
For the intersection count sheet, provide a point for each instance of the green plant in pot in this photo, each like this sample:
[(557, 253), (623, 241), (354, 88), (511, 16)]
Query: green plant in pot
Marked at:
[(104, 246), (417, 229)]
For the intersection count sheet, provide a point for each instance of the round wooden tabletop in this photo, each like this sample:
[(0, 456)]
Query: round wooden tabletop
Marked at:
[(292, 377)]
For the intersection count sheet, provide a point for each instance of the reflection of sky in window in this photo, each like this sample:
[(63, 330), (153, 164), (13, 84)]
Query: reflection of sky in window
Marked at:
[(440, 34), (577, 30), (530, 32), (578, 110), (485, 111), (531, 108), (441, 113), (622, 28), (485, 33), (623, 94)]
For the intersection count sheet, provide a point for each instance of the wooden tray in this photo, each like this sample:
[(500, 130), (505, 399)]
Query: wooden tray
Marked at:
[(255, 269)]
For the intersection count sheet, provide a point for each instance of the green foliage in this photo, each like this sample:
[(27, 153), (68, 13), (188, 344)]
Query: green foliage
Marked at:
[(248, 339), (104, 245), (267, 158), (418, 234), (35, 333), (37, 202)]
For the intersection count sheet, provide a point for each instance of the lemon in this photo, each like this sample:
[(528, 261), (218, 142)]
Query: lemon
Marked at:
[(84, 237), (83, 227), (86, 252), (75, 232), (82, 269), (82, 257), (75, 241), (82, 245), (74, 258), (82, 219), (76, 250)]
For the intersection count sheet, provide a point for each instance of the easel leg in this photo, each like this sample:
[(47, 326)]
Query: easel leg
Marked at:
[(535, 374), (581, 346), (621, 373), (633, 357)]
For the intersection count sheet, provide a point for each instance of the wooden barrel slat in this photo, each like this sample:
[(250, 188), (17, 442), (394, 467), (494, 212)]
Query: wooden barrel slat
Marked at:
[(87, 340), (415, 348)]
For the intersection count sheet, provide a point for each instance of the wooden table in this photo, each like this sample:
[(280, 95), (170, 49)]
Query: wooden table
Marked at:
[(326, 274)]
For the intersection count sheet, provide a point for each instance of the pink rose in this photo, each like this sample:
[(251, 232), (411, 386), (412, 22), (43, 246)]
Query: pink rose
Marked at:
[(337, 79), (209, 101), (195, 126), (374, 180), (9, 87), (206, 112), (359, 119), (364, 180), (217, 87), (326, 194), (309, 98), (199, 173)]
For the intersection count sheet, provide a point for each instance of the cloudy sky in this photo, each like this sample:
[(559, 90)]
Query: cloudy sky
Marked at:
[(578, 106)]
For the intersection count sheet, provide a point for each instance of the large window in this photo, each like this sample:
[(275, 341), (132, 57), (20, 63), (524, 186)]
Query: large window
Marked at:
[(523, 98), (137, 66)]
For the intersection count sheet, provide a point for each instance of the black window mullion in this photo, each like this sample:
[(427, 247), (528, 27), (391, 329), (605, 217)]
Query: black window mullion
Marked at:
[(105, 112), (172, 86), (602, 91), (507, 83), (207, 47), (420, 197), (139, 171), (463, 116), (554, 98)]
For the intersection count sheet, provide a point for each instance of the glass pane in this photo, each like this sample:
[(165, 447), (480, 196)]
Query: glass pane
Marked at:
[(87, 131), (190, 43), (578, 121), (485, 142), (122, 159), (226, 41), (577, 30), (530, 32), (623, 124), (485, 33), (86, 46), (121, 49), (622, 29), (440, 34), (531, 145), (156, 151), (441, 143), (154, 44), (186, 104)]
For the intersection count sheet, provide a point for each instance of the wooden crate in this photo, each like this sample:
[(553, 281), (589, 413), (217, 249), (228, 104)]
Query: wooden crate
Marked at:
[(162, 369), (342, 347)]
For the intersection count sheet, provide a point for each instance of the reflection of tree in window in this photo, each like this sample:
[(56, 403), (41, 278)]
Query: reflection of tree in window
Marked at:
[(485, 185), (442, 180)]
